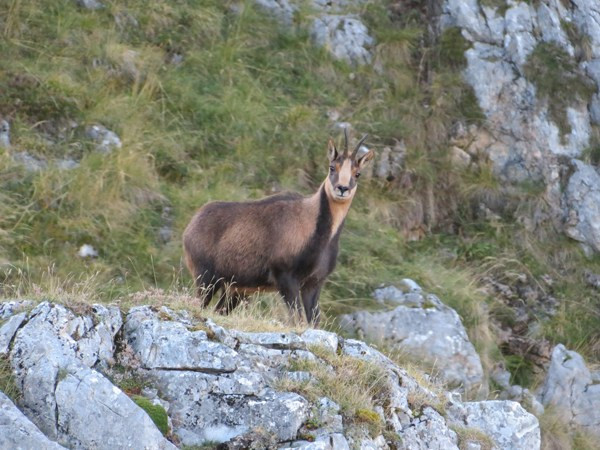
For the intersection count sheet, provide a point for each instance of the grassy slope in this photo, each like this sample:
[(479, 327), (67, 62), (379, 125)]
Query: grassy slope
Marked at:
[(245, 114)]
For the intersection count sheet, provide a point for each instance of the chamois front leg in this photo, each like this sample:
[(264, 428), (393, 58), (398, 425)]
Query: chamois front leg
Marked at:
[(289, 288), (310, 300)]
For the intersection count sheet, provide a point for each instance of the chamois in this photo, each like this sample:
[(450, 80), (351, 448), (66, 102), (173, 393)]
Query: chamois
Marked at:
[(285, 242)]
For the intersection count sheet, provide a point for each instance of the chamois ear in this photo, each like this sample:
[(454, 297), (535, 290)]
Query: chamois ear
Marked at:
[(332, 152), (365, 157)]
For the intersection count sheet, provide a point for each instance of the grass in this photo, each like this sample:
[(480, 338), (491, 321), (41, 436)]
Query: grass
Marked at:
[(469, 436), (156, 412), (356, 385), (7, 380), (557, 434)]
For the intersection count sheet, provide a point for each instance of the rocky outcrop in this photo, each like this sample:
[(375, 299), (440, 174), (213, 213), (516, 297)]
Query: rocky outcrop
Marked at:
[(421, 326), (570, 388), (531, 134), (343, 35), (215, 385)]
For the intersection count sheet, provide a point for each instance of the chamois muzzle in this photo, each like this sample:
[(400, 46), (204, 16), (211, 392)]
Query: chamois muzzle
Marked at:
[(341, 190)]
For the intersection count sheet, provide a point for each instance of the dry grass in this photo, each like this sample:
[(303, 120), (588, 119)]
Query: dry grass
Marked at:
[(356, 385), (468, 436), (558, 435)]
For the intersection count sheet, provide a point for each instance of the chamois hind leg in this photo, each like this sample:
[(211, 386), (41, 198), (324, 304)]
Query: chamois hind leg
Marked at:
[(310, 300), (206, 291), (289, 288), (228, 303)]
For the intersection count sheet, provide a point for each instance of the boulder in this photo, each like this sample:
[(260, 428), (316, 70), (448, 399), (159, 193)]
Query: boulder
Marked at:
[(217, 408), (504, 421), (570, 388), (429, 431), (344, 36), (425, 328), (17, 431), (10, 307), (92, 413)]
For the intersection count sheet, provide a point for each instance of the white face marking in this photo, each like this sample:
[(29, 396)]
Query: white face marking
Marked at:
[(345, 173)]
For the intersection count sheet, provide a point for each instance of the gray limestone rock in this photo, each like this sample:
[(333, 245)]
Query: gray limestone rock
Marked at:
[(505, 422), (287, 341), (570, 389), (8, 331), (206, 407), (283, 10), (211, 392), (321, 338), (527, 144), (17, 432), (93, 413), (582, 200), (29, 162), (4, 134), (425, 328), (52, 340), (8, 308), (90, 4), (170, 345), (429, 431), (344, 36), (106, 140)]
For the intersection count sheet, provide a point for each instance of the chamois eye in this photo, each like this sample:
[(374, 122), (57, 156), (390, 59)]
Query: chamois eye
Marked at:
[(332, 169), (357, 174)]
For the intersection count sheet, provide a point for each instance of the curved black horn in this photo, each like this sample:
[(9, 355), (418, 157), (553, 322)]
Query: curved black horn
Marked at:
[(346, 141), (362, 140)]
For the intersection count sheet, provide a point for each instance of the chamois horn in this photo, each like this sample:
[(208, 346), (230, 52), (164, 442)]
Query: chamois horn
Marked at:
[(363, 139), (346, 141)]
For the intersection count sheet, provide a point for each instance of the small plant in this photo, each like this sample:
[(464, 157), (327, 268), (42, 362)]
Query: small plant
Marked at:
[(7, 380), (129, 382), (156, 412), (558, 81), (356, 385), (371, 419), (451, 48), (469, 436), (521, 370)]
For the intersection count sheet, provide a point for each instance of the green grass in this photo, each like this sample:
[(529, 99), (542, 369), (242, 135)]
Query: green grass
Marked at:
[(7, 380), (156, 412)]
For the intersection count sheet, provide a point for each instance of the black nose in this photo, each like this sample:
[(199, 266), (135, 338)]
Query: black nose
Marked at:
[(342, 189)]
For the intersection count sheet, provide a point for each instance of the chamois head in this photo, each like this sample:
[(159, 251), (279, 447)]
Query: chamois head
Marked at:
[(344, 169)]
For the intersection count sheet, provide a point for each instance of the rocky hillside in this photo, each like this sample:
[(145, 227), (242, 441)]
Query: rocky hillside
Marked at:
[(471, 253)]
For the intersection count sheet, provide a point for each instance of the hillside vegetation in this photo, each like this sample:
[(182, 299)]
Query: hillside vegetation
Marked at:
[(214, 100)]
